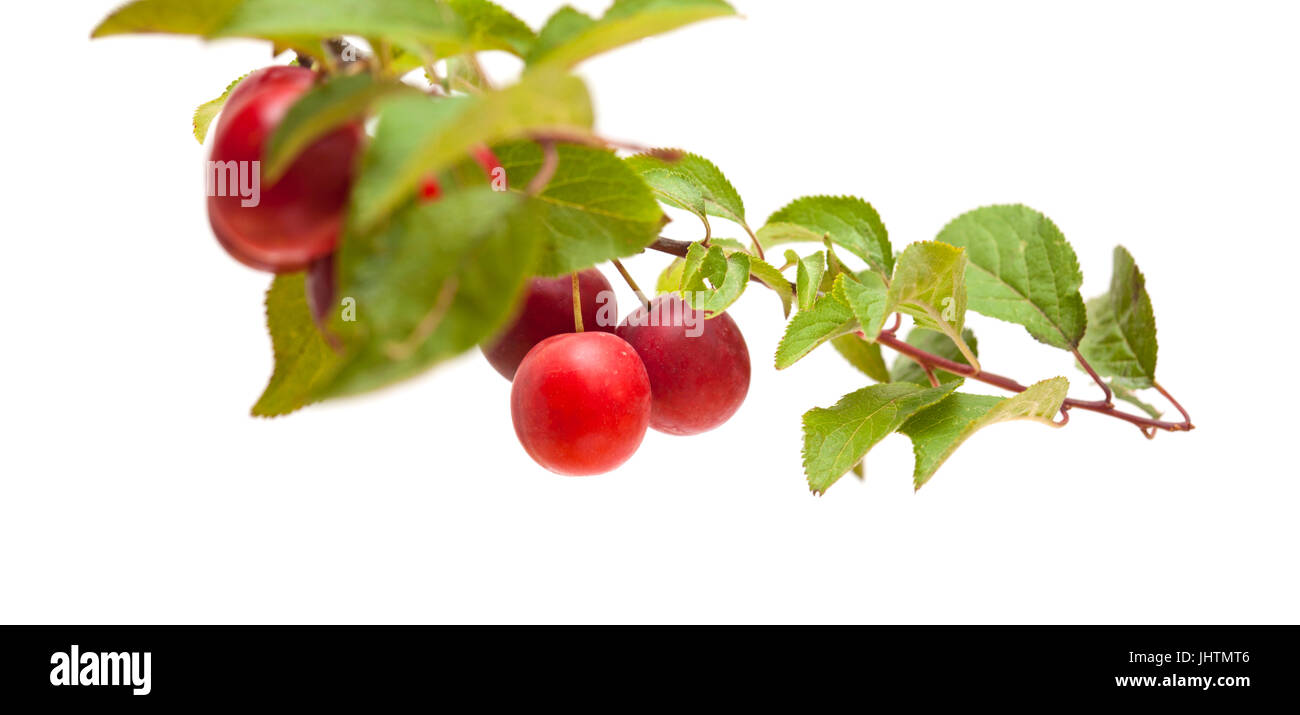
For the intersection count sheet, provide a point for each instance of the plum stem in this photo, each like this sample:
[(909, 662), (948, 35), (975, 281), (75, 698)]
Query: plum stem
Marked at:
[(631, 283), (577, 305)]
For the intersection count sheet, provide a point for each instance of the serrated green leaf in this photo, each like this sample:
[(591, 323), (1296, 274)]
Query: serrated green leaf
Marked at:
[(827, 319), (417, 136), (206, 112), (303, 360), (865, 356), (768, 275), (594, 208), (566, 41), (712, 279), (938, 431), (1022, 271), (838, 437), (491, 27), (691, 183), (1121, 338), (808, 278), (691, 263), (436, 280), (869, 298), (905, 369), (930, 285), (848, 221), (323, 108)]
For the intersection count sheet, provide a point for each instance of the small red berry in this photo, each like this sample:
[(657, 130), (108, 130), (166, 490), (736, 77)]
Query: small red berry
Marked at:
[(581, 403), (546, 309), (280, 227), (698, 369)]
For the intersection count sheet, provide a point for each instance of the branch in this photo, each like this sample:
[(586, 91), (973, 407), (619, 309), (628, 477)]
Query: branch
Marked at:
[(889, 339), (1006, 383), (1095, 378)]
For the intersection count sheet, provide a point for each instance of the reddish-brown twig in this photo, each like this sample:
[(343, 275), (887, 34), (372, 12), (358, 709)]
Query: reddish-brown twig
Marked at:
[(890, 340)]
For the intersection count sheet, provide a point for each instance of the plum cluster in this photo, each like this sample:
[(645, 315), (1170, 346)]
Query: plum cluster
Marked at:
[(582, 401)]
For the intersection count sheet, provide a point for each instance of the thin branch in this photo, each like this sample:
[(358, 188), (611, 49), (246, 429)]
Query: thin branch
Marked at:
[(1007, 383), (1108, 401), (631, 283), (898, 323), (1187, 419), (929, 373), (758, 247), (888, 339)]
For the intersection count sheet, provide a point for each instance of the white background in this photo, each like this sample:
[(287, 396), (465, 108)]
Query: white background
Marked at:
[(134, 487)]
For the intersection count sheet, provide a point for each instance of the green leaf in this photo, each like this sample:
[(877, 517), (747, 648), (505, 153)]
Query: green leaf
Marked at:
[(906, 370), (411, 24), (768, 275), (670, 280), (691, 183), (712, 279), (848, 221), (185, 17), (863, 355), (930, 285), (869, 298), (491, 27), (206, 112), (808, 278), (1022, 271), (1121, 338), (939, 430), (566, 24), (303, 360), (418, 136), (692, 263), (594, 208), (828, 318), (438, 279), (573, 37), (462, 75), (838, 437), (322, 109)]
